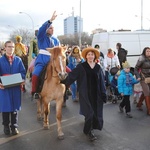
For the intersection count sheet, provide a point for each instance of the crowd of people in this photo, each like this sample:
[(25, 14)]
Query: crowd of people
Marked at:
[(88, 78)]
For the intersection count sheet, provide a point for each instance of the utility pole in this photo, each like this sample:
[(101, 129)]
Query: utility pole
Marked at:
[(141, 14), (80, 27)]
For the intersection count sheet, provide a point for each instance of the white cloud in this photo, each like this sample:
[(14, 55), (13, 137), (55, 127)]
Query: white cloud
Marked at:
[(107, 14)]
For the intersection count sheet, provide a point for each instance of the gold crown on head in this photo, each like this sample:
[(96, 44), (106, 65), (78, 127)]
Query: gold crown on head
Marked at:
[(126, 65), (18, 37)]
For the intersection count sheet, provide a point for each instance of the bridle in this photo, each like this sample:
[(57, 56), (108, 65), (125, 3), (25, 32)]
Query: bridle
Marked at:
[(54, 69)]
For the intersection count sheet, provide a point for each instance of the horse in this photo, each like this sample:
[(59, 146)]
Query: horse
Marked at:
[(52, 88)]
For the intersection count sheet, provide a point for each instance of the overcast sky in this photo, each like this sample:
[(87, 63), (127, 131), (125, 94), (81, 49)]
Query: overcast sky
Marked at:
[(106, 14)]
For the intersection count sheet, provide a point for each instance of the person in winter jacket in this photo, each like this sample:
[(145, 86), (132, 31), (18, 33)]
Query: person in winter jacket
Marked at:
[(143, 64), (125, 88), (122, 54), (74, 59)]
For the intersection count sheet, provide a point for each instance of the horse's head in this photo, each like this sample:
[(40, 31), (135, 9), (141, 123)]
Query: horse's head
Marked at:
[(58, 60)]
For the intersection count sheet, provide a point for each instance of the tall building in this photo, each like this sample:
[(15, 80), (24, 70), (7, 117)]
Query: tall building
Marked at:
[(73, 24)]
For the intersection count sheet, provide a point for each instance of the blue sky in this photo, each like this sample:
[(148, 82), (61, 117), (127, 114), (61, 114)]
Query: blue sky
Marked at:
[(106, 14)]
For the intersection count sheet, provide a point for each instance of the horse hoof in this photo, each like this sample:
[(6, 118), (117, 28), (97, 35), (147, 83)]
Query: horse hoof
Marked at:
[(61, 137), (46, 127)]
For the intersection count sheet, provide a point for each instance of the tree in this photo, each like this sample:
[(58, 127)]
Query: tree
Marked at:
[(24, 33), (74, 39)]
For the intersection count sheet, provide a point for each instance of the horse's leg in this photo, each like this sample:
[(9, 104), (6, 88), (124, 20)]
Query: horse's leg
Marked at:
[(39, 110), (59, 103), (46, 108), (64, 98)]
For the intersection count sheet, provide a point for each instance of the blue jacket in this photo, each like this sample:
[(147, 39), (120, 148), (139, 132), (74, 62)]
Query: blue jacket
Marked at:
[(44, 40), (10, 98), (122, 86)]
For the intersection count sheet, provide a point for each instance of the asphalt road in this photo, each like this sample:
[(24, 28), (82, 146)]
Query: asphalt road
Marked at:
[(119, 132)]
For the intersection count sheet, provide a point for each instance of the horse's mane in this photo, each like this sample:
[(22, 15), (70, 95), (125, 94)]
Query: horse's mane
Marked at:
[(56, 52)]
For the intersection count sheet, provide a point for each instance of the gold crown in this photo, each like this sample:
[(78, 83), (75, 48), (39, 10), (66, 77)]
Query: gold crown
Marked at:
[(18, 37), (126, 65)]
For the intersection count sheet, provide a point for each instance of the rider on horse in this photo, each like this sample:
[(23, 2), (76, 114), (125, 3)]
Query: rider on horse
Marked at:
[(45, 40)]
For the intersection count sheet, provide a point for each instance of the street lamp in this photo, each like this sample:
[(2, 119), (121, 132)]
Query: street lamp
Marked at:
[(30, 18)]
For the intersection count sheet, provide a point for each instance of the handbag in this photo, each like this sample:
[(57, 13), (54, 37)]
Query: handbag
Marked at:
[(147, 79)]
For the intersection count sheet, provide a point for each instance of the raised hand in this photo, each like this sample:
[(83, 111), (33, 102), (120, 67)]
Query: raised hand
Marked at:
[(53, 16)]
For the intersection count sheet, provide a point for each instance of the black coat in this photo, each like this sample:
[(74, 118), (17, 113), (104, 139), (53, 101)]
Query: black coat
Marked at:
[(86, 108), (122, 55)]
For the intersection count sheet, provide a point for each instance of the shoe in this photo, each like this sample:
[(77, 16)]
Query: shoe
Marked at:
[(36, 96), (139, 108), (91, 136), (114, 101), (69, 93), (14, 131), (129, 115), (7, 130), (121, 109)]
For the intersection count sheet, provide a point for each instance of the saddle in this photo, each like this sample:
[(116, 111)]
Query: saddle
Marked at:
[(41, 79)]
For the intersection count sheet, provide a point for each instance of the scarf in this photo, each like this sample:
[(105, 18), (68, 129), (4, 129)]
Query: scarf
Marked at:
[(128, 79), (10, 59)]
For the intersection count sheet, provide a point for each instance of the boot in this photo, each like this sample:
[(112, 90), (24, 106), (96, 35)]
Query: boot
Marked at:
[(140, 102), (7, 130), (35, 81), (147, 102)]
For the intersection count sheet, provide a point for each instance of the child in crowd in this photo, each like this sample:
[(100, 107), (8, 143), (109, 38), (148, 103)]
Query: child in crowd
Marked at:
[(125, 88), (114, 85), (137, 92)]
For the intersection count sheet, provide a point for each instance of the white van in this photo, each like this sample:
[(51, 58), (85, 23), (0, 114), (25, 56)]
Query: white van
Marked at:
[(133, 42)]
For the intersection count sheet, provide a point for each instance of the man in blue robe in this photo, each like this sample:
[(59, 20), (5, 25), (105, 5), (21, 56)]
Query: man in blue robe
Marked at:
[(45, 40), (10, 98)]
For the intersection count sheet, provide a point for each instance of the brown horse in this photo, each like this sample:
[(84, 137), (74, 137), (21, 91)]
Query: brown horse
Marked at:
[(53, 89)]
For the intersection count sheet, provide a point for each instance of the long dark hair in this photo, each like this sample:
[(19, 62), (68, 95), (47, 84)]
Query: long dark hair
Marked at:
[(144, 51)]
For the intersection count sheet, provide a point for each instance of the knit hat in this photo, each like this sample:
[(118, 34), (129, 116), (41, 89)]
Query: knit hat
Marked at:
[(126, 65), (90, 49)]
